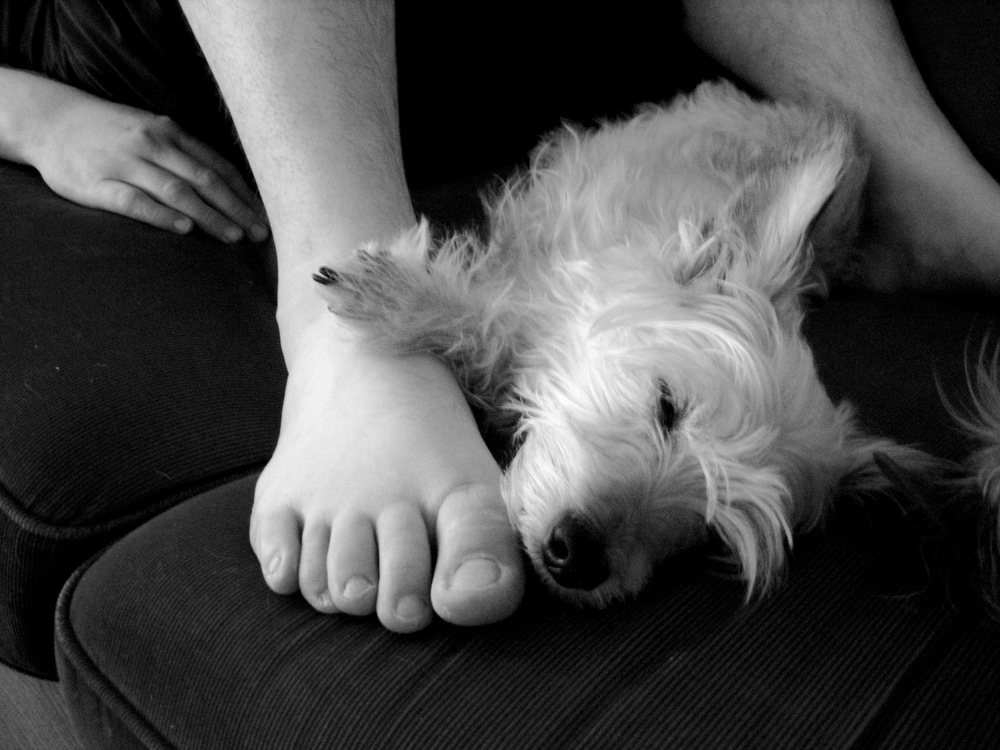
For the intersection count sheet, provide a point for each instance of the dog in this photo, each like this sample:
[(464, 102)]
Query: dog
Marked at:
[(633, 315)]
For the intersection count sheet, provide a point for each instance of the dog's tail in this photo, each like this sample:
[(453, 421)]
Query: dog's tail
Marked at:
[(955, 507), (980, 421)]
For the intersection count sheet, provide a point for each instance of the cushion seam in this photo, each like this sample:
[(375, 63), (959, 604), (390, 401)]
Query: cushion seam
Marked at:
[(157, 503), (87, 671)]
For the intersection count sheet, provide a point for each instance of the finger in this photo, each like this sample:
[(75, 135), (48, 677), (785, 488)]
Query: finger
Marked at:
[(175, 192), (215, 174), (128, 200), (214, 191), (222, 166)]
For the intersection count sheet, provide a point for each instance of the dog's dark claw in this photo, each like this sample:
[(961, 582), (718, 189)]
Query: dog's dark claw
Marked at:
[(326, 276)]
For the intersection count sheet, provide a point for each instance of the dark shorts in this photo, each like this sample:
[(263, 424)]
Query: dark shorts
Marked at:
[(136, 52)]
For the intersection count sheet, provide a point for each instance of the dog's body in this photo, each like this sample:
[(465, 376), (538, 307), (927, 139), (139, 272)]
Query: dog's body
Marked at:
[(635, 313)]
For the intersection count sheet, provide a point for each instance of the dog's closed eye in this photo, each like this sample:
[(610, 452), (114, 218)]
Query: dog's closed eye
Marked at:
[(666, 408)]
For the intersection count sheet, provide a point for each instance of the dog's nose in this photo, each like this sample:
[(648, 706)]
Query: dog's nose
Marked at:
[(574, 554)]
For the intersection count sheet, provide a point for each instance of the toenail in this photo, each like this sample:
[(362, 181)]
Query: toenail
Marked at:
[(324, 599), (411, 608), (476, 574), (273, 564), (357, 586)]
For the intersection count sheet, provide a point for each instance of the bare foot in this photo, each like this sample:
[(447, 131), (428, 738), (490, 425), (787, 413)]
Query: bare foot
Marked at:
[(381, 495)]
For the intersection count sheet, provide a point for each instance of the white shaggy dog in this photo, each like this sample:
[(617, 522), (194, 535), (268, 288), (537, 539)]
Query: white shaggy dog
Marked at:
[(635, 314)]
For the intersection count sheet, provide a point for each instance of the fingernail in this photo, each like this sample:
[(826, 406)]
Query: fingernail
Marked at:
[(411, 608), (183, 225), (272, 565), (357, 586), (234, 234), (258, 233), (476, 574)]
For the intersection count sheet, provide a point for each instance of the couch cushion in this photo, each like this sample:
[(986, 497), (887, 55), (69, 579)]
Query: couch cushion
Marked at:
[(187, 648), (137, 368), (171, 639)]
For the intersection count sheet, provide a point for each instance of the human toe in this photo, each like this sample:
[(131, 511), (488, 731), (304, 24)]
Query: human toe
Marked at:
[(352, 564), (403, 602), (479, 577), (274, 536), (313, 567)]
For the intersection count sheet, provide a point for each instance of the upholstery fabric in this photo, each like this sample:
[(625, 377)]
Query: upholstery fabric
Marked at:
[(137, 368), (139, 372), (186, 647)]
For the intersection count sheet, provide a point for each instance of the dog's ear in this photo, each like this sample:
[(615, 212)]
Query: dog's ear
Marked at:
[(805, 208), (755, 529)]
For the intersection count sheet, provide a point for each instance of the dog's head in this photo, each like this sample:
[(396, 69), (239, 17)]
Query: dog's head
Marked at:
[(662, 424), (675, 398)]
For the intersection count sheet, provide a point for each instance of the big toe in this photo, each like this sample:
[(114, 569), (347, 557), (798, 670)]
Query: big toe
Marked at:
[(479, 576)]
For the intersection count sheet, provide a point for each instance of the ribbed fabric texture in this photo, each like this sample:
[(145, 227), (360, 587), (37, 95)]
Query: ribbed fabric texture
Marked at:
[(137, 368), (187, 648), (955, 705), (128, 383)]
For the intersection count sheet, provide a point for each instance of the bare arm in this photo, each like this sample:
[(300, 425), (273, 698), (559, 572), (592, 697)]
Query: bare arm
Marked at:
[(121, 159), (29, 100)]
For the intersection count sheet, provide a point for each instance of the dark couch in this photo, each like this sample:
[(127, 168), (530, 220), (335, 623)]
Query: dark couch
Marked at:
[(140, 392)]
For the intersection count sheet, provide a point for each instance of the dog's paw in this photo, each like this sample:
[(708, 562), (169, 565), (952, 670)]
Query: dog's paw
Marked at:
[(336, 289), (339, 290), (381, 278), (411, 295), (359, 288)]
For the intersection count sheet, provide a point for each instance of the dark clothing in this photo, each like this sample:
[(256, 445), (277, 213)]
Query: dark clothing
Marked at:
[(956, 46), (136, 52)]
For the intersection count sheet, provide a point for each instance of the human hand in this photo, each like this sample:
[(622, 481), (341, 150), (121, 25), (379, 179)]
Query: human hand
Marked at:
[(137, 164)]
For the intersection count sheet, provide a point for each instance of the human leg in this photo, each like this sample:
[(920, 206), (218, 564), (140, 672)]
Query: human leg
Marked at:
[(379, 463), (933, 210)]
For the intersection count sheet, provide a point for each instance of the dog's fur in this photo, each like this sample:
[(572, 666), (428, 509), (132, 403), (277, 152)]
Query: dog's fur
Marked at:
[(635, 313)]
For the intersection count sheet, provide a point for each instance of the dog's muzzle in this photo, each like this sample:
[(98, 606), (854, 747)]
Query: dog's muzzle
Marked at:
[(575, 555)]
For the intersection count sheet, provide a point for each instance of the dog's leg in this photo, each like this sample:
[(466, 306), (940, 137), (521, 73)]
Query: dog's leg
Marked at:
[(446, 299)]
